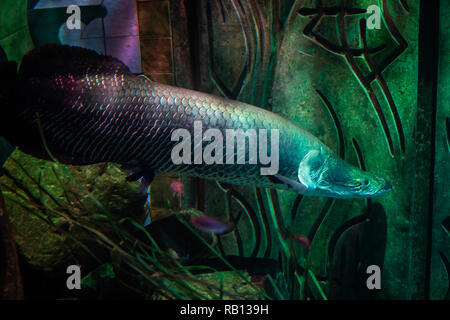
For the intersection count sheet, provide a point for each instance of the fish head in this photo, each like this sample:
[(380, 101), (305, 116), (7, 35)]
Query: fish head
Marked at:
[(325, 174)]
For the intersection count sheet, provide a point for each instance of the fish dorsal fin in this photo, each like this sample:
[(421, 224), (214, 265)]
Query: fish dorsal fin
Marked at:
[(54, 59), (291, 184)]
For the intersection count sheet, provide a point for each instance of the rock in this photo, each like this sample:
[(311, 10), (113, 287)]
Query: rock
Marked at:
[(39, 242)]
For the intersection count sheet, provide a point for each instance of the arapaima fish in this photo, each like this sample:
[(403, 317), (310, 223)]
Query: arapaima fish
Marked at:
[(90, 108)]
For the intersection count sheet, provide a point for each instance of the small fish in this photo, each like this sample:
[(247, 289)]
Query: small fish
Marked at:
[(303, 240), (177, 188), (211, 225), (156, 275)]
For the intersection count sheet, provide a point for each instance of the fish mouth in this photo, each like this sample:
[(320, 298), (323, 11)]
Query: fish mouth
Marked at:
[(366, 187), (386, 188), (382, 186)]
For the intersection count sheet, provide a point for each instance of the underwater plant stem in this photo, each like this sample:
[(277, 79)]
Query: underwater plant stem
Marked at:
[(276, 224), (221, 257), (317, 284)]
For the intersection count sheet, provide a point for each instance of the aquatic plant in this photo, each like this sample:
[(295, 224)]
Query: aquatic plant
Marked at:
[(138, 261)]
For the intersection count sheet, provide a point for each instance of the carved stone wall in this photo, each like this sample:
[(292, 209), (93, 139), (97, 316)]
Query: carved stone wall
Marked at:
[(359, 91)]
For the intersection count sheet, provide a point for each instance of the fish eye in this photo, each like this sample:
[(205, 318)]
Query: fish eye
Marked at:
[(357, 184), (323, 183)]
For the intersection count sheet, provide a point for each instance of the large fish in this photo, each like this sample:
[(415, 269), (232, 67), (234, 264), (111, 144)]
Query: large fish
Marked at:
[(90, 108)]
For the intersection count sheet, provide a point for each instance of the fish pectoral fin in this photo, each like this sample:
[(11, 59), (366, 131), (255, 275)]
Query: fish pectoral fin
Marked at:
[(135, 176), (147, 178), (290, 183), (141, 173)]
